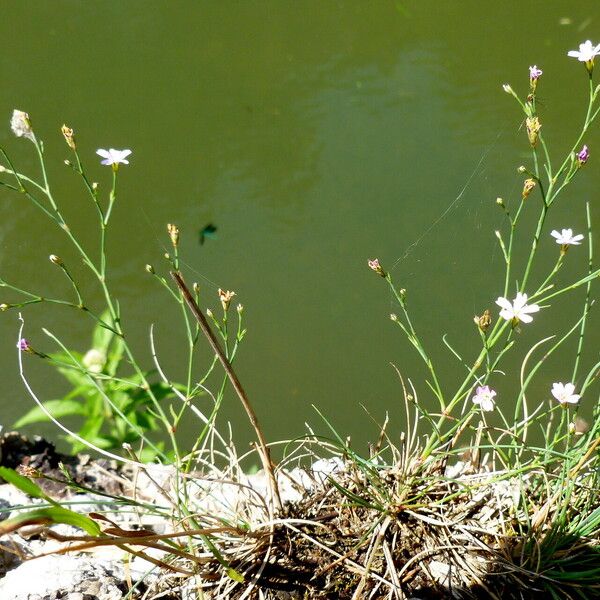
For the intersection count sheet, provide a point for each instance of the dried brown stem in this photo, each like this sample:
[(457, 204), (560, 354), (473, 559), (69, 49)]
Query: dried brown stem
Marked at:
[(263, 449)]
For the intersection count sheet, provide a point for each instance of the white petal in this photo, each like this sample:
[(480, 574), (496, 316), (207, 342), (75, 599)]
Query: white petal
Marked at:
[(504, 303), (103, 153), (555, 234), (573, 399), (569, 389), (520, 301), (530, 308), (125, 153), (525, 318), (507, 313)]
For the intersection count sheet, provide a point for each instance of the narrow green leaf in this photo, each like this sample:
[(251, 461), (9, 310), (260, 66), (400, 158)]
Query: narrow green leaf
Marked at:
[(50, 516), (22, 483)]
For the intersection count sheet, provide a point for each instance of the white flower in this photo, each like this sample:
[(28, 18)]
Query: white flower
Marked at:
[(566, 237), (484, 396), (563, 392), (21, 125), (519, 309), (113, 157), (586, 53)]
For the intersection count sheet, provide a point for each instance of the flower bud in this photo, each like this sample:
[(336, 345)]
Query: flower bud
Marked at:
[(150, 269), (533, 126), (500, 202), (240, 309), (209, 313), (394, 317), (522, 169), (95, 186), (24, 346), (534, 75), (68, 162), (69, 137), (196, 288), (375, 266), (56, 260), (21, 125), (4, 307), (508, 89), (582, 156)]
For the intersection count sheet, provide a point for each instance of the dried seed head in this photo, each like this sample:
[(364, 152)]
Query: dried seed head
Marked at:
[(69, 137), (225, 298), (484, 321), (528, 185), (533, 126), (173, 234)]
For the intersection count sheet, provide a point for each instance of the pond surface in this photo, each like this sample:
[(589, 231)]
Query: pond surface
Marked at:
[(314, 135)]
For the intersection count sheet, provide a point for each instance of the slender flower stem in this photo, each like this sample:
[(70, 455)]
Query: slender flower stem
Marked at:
[(587, 303)]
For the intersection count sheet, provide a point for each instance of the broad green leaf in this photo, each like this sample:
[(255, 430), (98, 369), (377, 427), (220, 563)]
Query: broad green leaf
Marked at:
[(50, 516), (23, 483), (57, 408)]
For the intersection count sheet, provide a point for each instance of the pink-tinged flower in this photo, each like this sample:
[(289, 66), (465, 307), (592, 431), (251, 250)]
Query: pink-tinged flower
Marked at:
[(566, 237), (484, 396), (375, 266), (586, 53), (563, 392), (583, 155), (518, 310), (23, 345), (535, 73), (113, 157)]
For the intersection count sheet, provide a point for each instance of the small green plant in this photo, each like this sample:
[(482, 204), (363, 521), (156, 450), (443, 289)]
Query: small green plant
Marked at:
[(94, 377), (114, 398)]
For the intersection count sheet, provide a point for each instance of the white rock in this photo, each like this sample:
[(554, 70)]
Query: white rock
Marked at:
[(48, 575)]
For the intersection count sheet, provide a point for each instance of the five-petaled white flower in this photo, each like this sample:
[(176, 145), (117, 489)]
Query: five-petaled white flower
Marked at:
[(563, 392), (586, 53), (566, 237), (518, 310), (113, 157), (484, 396)]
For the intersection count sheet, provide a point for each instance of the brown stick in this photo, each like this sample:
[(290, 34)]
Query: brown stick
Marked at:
[(264, 453)]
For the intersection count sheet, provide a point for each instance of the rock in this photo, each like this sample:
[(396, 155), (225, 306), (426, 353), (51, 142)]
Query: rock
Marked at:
[(56, 577)]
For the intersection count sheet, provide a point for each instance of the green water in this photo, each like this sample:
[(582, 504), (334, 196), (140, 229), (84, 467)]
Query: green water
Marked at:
[(315, 135)]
